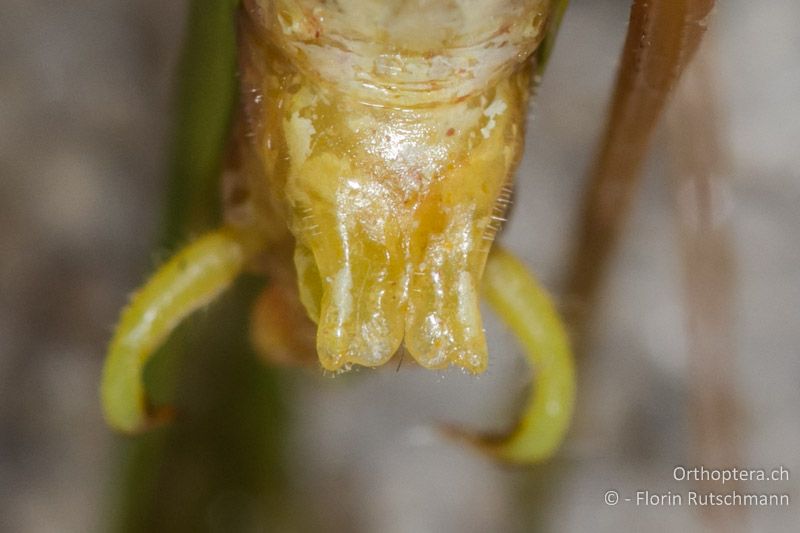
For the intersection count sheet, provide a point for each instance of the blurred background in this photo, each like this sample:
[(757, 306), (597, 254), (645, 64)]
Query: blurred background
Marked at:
[(86, 111)]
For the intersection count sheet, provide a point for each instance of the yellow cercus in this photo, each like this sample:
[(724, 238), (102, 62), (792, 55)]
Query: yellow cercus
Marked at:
[(375, 147)]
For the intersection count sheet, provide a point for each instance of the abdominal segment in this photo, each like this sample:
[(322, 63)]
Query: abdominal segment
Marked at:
[(393, 208)]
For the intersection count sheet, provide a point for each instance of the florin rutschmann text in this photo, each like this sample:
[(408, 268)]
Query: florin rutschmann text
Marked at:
[(702, 497)]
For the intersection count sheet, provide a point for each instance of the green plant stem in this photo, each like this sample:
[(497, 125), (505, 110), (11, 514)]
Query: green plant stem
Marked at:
[(205, 98)]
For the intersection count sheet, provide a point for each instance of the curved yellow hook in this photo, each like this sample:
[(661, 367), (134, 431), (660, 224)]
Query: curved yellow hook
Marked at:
[(519, 300), (188, 281), (205, 268)]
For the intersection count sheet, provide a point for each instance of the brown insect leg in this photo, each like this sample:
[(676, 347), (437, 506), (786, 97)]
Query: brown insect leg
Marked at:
[(662, 38)]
